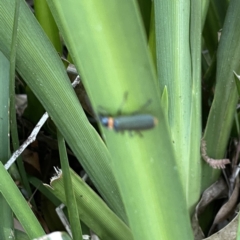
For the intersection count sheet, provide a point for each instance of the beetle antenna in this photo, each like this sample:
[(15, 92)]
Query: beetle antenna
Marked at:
[(102, 110), (123, 103), (145, 105)]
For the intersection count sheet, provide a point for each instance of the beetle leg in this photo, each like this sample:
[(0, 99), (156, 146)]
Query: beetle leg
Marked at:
[(139, 133), (131, 133)]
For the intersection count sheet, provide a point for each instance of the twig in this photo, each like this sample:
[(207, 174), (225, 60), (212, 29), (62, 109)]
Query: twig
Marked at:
[(214, 163), (63, 218), (34, 134)]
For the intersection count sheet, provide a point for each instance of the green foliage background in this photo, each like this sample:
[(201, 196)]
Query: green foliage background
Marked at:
[(151, 50)]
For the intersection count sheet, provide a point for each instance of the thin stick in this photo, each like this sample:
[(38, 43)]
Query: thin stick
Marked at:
[(34, 134), (63, 218), (214, 163)]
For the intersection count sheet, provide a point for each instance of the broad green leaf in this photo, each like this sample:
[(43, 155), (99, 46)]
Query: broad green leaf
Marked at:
[(110, 51), (40, 66), (91, 209), (224, 104)]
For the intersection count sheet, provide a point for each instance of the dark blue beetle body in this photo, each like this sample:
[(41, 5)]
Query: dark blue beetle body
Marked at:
[(136, 122)]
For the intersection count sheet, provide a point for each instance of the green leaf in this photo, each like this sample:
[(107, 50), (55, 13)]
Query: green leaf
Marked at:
[(237, 81), (19, 205), (68, 189), (224, 104), (91, 209), (178, 45), (40, 66), (112, 64), (6, 223)]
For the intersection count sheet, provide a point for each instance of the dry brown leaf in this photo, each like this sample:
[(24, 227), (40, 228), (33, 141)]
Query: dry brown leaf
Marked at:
[(227, 233), (31, 158), (217, 190), (228, 208)]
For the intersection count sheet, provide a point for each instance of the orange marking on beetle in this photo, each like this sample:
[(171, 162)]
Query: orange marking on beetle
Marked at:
[(110, 123)]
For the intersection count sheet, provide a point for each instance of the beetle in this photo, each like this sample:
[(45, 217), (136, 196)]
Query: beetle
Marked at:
[(135, 122)]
